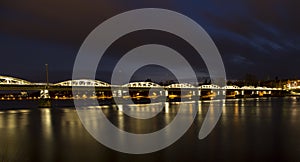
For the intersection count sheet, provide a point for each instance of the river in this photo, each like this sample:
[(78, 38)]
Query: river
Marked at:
[(252, 129)]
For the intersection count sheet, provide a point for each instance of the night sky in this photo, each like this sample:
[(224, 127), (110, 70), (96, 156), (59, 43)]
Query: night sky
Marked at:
[(259, 37)]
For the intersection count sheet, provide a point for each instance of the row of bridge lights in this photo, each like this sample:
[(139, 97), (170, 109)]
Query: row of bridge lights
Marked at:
[(37, 98), (101, 95)]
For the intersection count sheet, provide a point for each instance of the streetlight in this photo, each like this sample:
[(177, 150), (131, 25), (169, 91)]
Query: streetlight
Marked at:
[(47, 75)]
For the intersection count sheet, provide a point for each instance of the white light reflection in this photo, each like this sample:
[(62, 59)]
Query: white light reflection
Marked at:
[(143, 111), (120, 107), (167, 105), (199, 107), (224, 106), (46, 123), (257, 102)]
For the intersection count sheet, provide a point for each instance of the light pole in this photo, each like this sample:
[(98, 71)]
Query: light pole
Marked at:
[(47, 76), (45, 100)]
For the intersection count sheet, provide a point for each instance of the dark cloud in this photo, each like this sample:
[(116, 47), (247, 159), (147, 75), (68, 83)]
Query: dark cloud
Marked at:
[(253, 36)]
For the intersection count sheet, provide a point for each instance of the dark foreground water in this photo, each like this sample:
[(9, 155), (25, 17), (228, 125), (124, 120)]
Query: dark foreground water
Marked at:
[(265, 129)]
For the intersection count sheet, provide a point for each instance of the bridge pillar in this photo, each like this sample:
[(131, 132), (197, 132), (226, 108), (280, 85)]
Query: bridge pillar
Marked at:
[(161, 93), (243, 92), (166, 93), (194, 95), (114, 93), (44, 94), (120, 93), (45, 99), (199, 92), (117, 93)]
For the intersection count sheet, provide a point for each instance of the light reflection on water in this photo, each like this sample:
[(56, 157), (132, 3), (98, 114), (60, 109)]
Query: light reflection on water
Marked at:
[(249, 129)]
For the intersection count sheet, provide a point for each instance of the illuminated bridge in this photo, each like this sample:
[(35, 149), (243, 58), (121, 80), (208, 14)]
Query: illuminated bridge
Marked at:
[(134, 90)]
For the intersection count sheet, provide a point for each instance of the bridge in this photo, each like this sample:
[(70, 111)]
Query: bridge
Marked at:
[(135, 89)]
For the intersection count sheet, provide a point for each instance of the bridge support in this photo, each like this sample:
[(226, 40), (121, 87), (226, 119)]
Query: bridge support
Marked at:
[(45, 100), (194, 95), (117, 93), (166, 93)]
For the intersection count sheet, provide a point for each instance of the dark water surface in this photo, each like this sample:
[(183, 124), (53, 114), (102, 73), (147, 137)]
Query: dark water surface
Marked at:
[(264, 129)]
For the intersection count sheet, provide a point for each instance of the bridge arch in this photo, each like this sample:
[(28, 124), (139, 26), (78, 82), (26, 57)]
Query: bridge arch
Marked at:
[(232, 87), (13, 81), (210, 86), (83, 83), (248, 87), (181, 85), (141, 85)]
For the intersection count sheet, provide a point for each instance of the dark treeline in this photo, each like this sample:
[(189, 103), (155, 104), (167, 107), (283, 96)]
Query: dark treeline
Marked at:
[(251, 80), (248, 80)]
